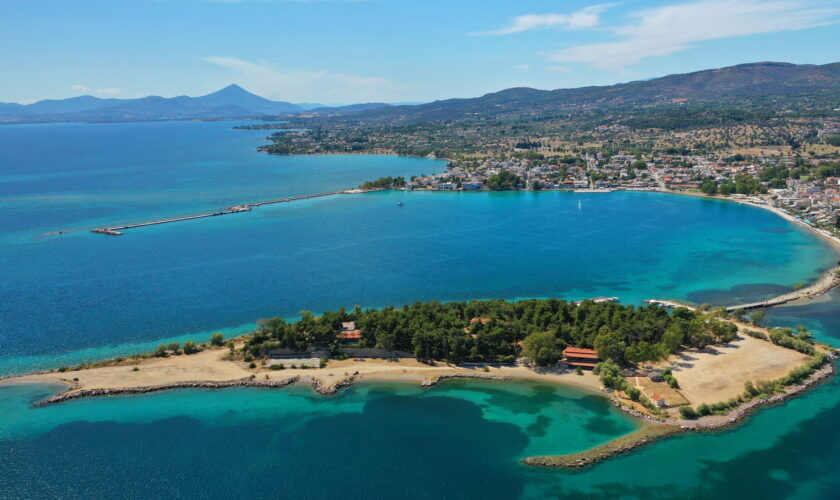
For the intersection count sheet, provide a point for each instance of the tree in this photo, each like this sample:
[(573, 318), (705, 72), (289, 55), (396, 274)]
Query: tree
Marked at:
[(688, 413), (757, 317), (709, 187), (175, 347), (217, 339), (541, 348), (503, 180), (160, 352), (610, 374), (610, 345), (190, 347)]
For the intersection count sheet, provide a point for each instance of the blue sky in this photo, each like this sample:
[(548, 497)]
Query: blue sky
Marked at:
[(343, 51)]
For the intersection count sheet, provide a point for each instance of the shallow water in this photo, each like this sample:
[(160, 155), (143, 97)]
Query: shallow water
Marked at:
[(379, 440)]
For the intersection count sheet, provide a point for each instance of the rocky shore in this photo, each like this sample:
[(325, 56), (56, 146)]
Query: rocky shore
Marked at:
[(328, 390), (86, 393), (655, 428), (436, 380)]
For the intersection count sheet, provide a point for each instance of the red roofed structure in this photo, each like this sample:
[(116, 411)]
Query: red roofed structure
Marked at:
[(350, 337), (577, 356)]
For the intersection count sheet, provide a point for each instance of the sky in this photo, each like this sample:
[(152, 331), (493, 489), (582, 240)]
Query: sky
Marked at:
[(348, 51)]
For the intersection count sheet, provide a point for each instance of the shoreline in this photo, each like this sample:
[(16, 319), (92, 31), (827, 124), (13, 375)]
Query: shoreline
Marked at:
[(329, 381)]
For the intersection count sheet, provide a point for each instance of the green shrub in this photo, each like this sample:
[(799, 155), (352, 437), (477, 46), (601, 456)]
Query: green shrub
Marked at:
[(190, 347), (688, 413)]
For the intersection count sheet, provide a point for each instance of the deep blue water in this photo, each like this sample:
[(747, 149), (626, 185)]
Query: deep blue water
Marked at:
[(82, 296)]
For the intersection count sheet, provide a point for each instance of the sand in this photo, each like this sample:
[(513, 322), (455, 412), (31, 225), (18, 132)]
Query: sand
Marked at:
[(210, 366), (718, 373)]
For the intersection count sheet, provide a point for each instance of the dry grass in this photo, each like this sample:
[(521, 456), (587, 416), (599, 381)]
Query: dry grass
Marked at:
[(718, 373), (648, 387)]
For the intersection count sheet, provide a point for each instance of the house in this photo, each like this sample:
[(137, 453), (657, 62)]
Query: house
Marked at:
[(579, 357), (659, 401)]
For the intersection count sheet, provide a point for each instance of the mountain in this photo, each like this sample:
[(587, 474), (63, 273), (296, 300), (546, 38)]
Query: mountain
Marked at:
[(230, 102), (352, 108), (742, 84)]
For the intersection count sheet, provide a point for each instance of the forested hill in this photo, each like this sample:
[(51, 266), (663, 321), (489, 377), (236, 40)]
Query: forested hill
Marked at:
[(783, 84)]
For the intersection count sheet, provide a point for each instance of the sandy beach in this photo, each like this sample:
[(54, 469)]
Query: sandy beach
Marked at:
[(210, 366)]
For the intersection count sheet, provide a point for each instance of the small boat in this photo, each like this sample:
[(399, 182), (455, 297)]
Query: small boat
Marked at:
[(399, 203)]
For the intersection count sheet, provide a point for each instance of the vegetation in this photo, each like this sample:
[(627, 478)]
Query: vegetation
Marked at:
[(784, 337), (383, 183), (541, 348), (668, 377), (217, 339), (503, 180), (498, 331)]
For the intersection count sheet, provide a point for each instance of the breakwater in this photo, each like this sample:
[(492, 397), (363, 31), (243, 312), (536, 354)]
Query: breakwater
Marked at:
[(86, 393), (235, 209)]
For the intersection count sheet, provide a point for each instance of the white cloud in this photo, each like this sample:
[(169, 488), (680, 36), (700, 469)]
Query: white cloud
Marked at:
[(523, 67), (310, 85), (79, 87), (673, 28), (587, 17)]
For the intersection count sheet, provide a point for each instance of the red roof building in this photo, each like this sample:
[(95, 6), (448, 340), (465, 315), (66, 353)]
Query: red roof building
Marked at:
[(350, 337), (577, 356)]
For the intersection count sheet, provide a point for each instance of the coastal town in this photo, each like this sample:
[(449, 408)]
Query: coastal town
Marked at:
[(808, 188)]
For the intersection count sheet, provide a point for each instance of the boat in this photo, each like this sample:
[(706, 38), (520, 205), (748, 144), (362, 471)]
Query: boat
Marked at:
[(399, 203)]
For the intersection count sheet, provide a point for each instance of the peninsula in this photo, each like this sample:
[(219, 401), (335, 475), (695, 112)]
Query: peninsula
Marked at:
[(680, 369)]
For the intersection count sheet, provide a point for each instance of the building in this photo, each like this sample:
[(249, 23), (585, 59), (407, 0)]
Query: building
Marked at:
[(579, 357), (350, 337), (659, 401)]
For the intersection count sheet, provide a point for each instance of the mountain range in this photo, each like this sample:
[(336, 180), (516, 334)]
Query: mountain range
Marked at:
[(739, 84), (230, 102), (733, 85)]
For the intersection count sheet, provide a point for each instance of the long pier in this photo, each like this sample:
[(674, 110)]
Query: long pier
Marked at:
[(235, 209), (828, 281)]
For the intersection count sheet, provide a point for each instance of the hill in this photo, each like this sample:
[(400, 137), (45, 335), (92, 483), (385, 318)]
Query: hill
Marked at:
[(741, 84)]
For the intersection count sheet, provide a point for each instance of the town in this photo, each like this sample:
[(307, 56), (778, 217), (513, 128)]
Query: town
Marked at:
[(805, 187)]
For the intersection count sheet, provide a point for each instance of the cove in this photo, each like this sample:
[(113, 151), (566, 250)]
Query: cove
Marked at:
[(374, 440)]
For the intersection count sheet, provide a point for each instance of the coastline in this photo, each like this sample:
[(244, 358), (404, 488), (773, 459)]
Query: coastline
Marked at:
[(210, 370)]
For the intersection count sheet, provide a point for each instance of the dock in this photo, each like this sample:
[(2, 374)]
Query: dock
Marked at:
[(235, 209)]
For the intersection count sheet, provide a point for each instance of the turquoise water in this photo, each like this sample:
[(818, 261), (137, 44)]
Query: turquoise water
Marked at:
[(462, 439), (79, 296), (82, 296)]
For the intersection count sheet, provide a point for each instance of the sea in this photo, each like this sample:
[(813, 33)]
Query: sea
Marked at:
[(68, 296)]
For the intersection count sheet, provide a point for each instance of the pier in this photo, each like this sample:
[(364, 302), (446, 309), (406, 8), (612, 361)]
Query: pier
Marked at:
[(828, 281), (235, 209)]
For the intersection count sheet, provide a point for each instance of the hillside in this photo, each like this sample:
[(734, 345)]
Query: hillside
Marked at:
[(741, 84)]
